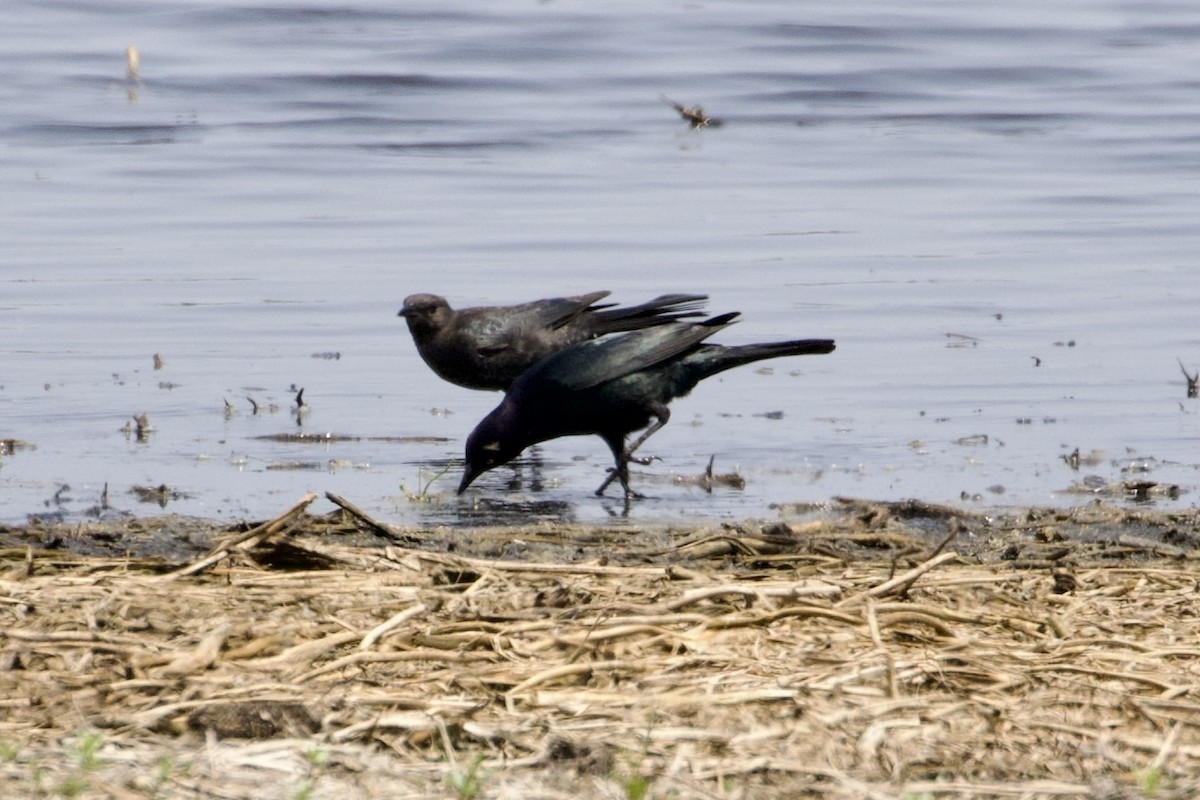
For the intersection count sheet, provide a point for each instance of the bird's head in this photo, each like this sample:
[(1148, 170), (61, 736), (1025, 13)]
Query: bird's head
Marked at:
[(495, 441), (425, 313)]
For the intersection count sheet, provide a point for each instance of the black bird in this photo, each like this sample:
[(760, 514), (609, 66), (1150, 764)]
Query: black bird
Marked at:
[(489, 346), (612, 387)]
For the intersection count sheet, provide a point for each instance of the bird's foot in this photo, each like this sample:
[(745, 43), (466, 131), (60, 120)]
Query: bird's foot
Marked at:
[(621, 472), (630, 494), (613, 474)]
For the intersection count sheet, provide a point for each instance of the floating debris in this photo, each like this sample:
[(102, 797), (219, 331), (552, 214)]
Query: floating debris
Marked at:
[(1139, 491), (297, 466), (301, 410), (99, 511), (308, 438), (693, 115), (708, 479), (960, 340), (1140, 467), (1193, 381), (976, 440), (60, 496), (158, 361), (132, 77), (410, 439), (1144, 491), (10, 446), (255, 407), (132, 63), (329, 355), (140, 429), (327, 438), (160, 494)]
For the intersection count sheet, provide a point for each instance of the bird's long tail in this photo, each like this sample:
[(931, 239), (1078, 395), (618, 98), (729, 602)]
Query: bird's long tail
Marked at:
[(662, 309), (797, 347), (714, 358)]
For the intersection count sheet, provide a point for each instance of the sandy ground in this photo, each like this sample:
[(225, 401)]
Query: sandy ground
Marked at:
[(855, 650)]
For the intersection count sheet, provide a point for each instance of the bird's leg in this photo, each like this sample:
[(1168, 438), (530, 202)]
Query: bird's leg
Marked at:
[(617, 445), (622, 474), (662, 415), (624, 454)]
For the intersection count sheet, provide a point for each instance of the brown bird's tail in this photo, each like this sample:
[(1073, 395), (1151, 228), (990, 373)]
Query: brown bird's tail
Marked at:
[(660, 310)]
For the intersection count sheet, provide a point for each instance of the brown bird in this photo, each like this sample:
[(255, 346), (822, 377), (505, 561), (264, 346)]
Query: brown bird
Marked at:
[(487, 347)]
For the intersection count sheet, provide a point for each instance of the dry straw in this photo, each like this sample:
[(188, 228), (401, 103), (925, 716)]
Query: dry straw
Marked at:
[(868, 651)]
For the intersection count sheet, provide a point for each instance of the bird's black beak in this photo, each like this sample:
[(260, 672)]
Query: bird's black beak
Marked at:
[(469, 476)]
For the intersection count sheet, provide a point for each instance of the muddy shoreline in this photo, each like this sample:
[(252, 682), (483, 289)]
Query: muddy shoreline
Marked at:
[(848, 527)]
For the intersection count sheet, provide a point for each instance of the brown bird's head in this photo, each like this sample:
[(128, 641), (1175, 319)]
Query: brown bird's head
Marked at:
[(426, 313)]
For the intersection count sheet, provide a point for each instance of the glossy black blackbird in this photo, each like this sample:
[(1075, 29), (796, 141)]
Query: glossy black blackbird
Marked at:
[(489, 346), (612, 387)]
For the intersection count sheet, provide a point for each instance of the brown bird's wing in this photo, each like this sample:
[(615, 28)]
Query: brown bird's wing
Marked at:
[(493, 330)]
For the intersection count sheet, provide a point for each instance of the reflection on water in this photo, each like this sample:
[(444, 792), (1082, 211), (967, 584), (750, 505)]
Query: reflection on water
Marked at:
[(507, 498), (246, 187), (500, 510)]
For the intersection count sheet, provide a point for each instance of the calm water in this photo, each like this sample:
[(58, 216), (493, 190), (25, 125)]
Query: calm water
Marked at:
[(995, 211)]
